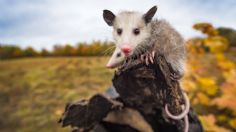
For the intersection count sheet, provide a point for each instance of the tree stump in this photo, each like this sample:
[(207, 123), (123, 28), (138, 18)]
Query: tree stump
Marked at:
[(143, 92)]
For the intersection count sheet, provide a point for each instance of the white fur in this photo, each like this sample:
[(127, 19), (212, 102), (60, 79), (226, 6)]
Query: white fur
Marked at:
[(115, 60), (128, 21), (159, 33)]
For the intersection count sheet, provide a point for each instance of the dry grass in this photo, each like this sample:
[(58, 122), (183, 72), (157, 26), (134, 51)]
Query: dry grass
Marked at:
[(33, 92)]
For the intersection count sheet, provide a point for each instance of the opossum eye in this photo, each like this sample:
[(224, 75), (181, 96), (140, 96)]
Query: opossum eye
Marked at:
[(118, 55), (136, 31), (119, 31)]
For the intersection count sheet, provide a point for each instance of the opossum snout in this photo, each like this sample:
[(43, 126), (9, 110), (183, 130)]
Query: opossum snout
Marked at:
[(109, 66), (126, 49)]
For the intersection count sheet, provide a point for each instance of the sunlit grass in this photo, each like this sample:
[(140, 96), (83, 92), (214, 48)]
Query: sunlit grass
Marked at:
[(33, 92)]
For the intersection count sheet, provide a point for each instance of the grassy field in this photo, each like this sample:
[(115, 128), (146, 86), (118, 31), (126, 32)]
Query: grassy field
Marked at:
[(33, 92)]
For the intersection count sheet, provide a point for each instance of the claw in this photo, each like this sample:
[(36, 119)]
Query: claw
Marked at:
[(142, 57), (174, 76), (151, 59), (153, 54), (148, 57), (147, 62)]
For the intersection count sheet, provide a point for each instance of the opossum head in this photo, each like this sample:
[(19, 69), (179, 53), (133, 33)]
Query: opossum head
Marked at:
[(129, 28), (116, 59)]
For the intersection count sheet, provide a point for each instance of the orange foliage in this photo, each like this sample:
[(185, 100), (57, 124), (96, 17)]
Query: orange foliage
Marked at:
[(210, 80)]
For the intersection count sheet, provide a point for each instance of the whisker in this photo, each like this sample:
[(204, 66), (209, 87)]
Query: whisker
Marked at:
[(108, 51)]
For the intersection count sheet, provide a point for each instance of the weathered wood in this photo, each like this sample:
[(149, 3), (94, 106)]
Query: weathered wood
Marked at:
[(149, 87), (143, 88), (139, 85), (85, 114)]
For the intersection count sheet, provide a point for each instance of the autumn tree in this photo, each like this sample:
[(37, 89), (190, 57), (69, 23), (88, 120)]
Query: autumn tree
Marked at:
[(10, 51), (210, 78), (44, 52), (30, 52), (228, 33)]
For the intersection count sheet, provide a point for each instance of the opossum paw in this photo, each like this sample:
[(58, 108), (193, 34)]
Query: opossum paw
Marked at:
[(148, 57), (174, 76)]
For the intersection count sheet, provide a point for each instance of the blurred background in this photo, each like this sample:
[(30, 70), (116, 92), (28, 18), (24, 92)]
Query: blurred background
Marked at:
[(54, 51)]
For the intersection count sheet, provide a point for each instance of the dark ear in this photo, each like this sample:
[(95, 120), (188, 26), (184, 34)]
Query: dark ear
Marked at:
[(109, 17), (148, 16)]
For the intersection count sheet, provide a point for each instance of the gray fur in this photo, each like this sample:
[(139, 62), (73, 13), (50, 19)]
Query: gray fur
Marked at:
[(166, 41), (157, 35)]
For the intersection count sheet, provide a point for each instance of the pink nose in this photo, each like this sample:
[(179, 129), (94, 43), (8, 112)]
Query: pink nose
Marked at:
[(126, 50)]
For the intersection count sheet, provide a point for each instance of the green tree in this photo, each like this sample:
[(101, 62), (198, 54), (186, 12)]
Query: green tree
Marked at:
[(228, 33), (30, 52), (44, 52), (10, 51)]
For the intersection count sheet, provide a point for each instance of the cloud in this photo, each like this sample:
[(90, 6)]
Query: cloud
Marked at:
[(43, 23)]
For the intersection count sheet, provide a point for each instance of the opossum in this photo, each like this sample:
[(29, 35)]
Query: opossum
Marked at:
[(136, 34), (116, 59)]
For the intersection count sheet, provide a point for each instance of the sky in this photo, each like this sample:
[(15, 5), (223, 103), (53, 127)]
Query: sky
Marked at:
[(44, 23)]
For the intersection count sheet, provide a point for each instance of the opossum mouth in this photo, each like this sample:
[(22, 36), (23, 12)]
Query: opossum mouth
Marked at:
[(127, 54), (114, 65)]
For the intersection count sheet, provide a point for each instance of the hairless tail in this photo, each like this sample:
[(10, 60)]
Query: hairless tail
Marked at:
[(184, 114), (185, 110)]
